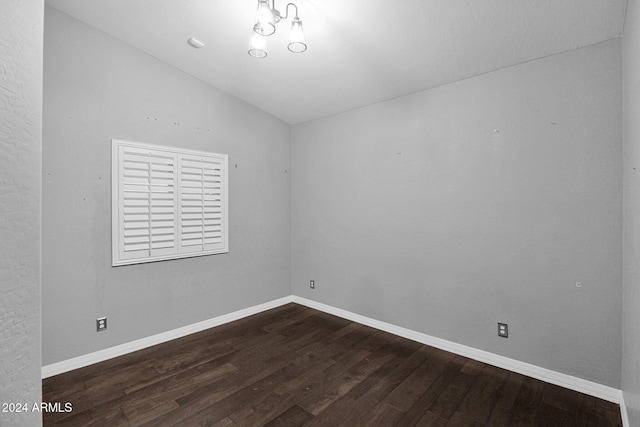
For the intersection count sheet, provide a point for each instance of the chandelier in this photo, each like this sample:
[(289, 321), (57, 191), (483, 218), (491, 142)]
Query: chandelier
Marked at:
[(266, 19)]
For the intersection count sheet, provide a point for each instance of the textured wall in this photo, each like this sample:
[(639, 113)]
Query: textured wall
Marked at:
[(631, 294), (20, 146), (478, 202), (97, 88)]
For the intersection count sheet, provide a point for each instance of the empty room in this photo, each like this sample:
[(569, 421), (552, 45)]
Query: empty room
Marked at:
[(321, 213)]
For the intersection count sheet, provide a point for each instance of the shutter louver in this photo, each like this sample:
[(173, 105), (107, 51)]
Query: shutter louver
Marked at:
[(147, 196), (201, 204), (166, 203)]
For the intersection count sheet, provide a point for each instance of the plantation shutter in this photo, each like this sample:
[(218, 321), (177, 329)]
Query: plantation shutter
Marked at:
[(167, 203), (202, 211)]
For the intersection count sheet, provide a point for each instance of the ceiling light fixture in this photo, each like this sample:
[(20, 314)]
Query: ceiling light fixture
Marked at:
[(266, 19)]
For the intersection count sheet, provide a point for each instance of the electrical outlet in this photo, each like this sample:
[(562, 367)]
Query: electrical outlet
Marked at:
[(503, 330), (312, 284), (101, 324)]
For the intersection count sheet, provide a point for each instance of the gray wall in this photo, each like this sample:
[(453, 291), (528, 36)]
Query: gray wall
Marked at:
[(97, 88), (478, 202), (631, 293), (445, 211), (20, 153)]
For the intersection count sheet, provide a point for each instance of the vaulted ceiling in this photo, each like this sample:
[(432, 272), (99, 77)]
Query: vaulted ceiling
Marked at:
[(359, 51)]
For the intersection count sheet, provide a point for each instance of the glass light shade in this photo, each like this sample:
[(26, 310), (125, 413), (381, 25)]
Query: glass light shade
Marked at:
[(265, 22), (257, 46), (297, 42)]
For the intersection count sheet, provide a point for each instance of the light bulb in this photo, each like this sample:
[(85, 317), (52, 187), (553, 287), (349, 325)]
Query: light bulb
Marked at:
[(257, 46), (297, 42), (265, 23)]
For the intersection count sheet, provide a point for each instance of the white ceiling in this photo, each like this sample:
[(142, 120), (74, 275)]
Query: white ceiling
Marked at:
[(360, 51)]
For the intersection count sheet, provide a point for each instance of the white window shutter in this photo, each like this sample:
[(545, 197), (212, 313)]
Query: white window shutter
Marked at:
[(167, 204), (215, 205), (202, 210)]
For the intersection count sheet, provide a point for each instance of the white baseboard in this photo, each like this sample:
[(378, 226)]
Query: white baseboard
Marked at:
[(624, 413), (567, 381), (119, 350)]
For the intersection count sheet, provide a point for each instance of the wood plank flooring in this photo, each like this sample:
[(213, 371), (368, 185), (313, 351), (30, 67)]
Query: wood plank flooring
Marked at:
[(294, 366)]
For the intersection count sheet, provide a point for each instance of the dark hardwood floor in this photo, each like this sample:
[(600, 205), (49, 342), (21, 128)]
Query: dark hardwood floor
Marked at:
[(294, 366)]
